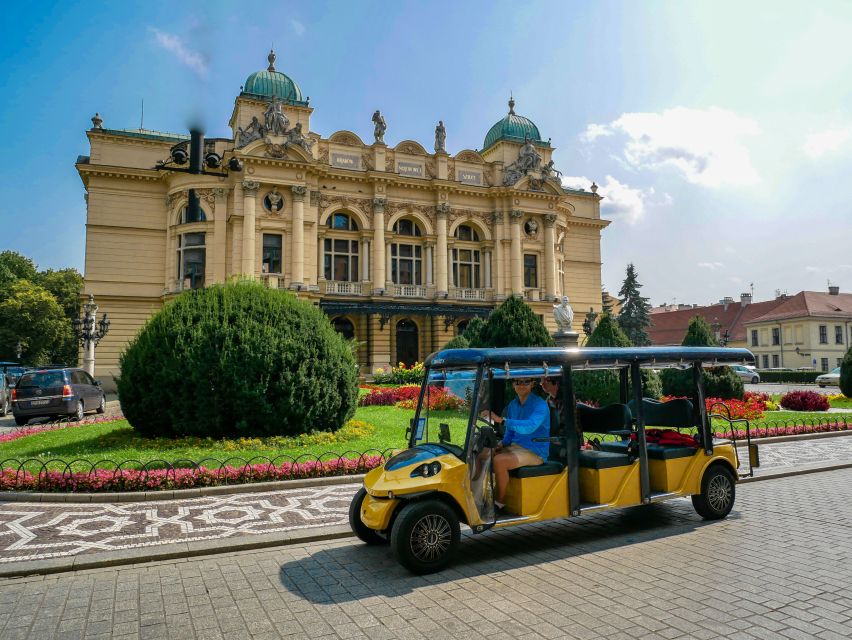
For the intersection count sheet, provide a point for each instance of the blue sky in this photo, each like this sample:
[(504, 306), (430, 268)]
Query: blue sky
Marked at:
[(719, 132)]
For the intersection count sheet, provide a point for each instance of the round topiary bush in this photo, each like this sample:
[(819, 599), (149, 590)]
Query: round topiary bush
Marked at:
[(804, 401), (237, 360), (846, 374)]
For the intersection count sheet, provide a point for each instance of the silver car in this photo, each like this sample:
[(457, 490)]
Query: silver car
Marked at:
[(832, 378), (746, 374)]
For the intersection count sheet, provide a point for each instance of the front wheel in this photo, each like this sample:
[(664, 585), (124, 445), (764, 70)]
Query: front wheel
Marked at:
[(4, 409), (755, 380), (718, 491), (102, 406), (425, 536), (364, 533)]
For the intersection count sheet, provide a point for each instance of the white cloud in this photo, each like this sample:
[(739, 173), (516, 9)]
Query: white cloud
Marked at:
[(735, 279), (819, 144), (813, 269), (192, 59), (298, 27), (707, 146), (713, 266), (620, 200)]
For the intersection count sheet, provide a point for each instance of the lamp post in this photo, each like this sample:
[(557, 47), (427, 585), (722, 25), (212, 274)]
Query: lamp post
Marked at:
[(89, 332)]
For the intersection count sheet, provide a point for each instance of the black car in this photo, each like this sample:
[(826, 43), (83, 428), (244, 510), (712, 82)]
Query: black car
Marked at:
[(56, 392)]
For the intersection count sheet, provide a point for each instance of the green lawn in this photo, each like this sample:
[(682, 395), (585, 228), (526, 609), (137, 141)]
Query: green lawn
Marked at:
[(843, 403), (116, 441)]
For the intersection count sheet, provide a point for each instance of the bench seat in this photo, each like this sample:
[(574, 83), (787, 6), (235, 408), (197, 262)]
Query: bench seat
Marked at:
[(592, 459), (547, 468), (655, 451)]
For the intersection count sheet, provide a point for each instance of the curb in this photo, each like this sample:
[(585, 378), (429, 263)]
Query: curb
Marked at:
[(177, 494), (741, 442), (185, 550)]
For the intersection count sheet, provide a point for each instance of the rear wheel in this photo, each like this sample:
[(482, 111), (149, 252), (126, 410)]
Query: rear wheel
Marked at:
[(425, 535), (21, 421), (5, 407), (79, 413), (718, 491), (364, 533), (755, 380)]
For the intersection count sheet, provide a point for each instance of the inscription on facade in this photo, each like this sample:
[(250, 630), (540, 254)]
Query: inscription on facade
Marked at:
[(409, 169), (345, 160), (467, 176)]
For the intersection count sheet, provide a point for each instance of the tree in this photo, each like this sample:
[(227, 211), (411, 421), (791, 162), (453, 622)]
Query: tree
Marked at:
[(237, 360), (512, 324), (846, 374), (459, 342), (14, 266), (590, 322), (634, 316), (473, 331), (699, 334), (31, 315), (606, 301), (65, 285)]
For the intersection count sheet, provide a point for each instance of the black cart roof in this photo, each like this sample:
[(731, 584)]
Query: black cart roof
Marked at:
[(592, 357)]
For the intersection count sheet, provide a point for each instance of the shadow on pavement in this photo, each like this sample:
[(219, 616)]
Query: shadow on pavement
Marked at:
[(356, 571)]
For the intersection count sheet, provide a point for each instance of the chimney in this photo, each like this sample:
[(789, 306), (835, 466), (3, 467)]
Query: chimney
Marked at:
[(745, 299), (834, 290)]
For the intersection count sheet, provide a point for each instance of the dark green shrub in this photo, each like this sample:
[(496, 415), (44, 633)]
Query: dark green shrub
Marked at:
[(846, 374), (473, 331), (512, 324), (459, 342), (237, 360)]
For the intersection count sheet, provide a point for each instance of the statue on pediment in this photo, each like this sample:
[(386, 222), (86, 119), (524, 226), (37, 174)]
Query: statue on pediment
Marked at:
[(296, 137), (549, 171), (276, 120), (380, 127), (529, 160), (440, 137), (254, 131)]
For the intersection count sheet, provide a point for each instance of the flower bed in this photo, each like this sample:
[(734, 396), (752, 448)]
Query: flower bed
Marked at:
[(789, 430), (400, 374), (751, 407), (805, 401)]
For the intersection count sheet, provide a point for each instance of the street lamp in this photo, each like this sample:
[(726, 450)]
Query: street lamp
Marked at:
[(89, 332), (19, 349)]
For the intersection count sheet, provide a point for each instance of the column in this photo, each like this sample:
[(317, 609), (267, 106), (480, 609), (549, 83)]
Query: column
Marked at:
[(442, 210), (498, 268), (486, 266), (220, 232), (450, 280), (320, 257), (297, 266), (429, 277), (379, 245), (549, 257), (517, 257), (388, 269), (365, 260), (247, 264)]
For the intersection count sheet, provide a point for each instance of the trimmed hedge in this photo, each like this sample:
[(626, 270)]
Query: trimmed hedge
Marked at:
[(789, 376), (237, 360)]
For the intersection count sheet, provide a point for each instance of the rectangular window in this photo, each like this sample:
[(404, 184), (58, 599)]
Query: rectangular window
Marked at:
[(271, 253), (340, 260), (192, 257), (754, 337), (530, 271), (823, 363), (406, 261), (466, 268), (776, 335), (838, 334), (775, 361), (823, 334), (765, 361)]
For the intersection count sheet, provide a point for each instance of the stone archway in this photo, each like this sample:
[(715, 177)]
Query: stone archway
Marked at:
[(344, 327), (407, 343)]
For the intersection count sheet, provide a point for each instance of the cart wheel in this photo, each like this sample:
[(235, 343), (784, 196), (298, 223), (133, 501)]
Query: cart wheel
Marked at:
[(718, 491), (425, 535), (364, 533)]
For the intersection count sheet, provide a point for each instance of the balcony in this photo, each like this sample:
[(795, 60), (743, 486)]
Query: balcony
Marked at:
[(468, 294), (273, 281), (408, 291), (338, 287)]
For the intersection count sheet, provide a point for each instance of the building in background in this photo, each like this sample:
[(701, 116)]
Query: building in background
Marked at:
[(400, 246)]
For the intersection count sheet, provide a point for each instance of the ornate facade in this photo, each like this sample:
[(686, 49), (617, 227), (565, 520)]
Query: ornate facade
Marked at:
[(399, 245)]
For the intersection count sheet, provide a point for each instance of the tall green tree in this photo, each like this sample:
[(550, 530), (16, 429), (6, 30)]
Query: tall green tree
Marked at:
[(512, 324), (473, 331), (66, 286), (14, 266), (30, 314), (635, 315), (846, 374)]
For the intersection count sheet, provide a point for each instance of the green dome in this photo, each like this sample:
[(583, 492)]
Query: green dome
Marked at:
[(273, 84), (514, 128)]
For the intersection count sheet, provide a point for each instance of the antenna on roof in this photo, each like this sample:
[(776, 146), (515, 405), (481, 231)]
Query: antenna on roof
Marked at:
[(751, 286)]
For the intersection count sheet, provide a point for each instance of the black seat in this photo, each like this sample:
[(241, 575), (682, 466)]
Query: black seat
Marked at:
[(612, 417), (553, 465), (592, 459), (676, 413), (655, 451)]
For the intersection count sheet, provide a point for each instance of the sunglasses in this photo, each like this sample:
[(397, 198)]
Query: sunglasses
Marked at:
[(522, 382)]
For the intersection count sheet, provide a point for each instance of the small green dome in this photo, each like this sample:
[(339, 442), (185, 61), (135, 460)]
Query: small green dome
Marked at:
[(273, 84), (514, 128)]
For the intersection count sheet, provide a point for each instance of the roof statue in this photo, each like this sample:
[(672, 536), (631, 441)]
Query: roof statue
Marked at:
[(380, 128), (254, 131), (276, 120), (440, 138)]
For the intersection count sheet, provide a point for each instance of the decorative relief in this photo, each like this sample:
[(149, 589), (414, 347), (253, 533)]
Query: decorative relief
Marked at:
[(427, 210), (365, 205), (390, 165), (323, 155), (531, 227), (273, 202), (315, 198), (347, 139), (549, 221), (173, 198), (299, 191), (470, 156), (408, 148), (430, 169), (250, 187), (206, 195), (451, 170), (220, 193), (515, 216), (497, 217), (379, 204), (367, 161), (442, 209)]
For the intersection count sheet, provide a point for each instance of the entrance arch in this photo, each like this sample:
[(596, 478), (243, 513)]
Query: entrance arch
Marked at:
[(407, 343), (344, 327)]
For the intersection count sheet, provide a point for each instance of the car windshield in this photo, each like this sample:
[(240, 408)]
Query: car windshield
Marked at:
[(837, 370), (445, 409), (42, 379)]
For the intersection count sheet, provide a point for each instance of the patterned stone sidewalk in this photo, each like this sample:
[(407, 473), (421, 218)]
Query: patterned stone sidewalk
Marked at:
[(36, 531)]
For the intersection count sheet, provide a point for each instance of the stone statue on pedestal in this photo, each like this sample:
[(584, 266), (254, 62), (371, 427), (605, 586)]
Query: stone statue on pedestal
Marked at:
[(564, 315), (440, 137), (380, 128)]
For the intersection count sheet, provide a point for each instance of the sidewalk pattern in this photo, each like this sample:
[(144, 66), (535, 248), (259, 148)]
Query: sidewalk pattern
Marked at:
[(35, 531)]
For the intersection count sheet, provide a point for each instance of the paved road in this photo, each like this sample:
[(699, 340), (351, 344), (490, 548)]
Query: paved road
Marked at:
[(36, 531), (777, 387), (778, 567)]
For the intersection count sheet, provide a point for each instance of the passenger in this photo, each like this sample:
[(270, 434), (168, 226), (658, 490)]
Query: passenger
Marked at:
[(527, 418), (550, 385)]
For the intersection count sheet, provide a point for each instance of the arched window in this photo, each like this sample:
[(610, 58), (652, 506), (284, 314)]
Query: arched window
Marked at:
[(467, 259), (341, 248), (461, 327), (344, 327), (191, 260), (407, 257), (467, 233), (185, 217)]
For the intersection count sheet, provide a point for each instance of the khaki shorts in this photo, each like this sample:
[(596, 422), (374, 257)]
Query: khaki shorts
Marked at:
[(525, 457)]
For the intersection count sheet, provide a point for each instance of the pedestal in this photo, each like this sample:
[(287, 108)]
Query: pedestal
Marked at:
[(566, 338)]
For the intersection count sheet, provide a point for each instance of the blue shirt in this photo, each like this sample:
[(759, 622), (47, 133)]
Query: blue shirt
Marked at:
[(527, 421)]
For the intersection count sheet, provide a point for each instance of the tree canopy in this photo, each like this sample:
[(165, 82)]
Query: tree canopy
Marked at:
[(634, 316), (512, 324)]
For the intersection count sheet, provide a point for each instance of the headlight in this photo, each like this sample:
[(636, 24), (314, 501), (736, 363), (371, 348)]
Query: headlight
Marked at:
[(426, 470)]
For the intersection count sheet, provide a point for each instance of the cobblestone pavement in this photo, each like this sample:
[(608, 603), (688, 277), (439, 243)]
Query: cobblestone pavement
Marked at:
[(778, 567), (35, 531)]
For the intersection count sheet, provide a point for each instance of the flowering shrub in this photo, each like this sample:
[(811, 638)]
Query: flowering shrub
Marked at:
[(386, 397), (400, 374), (751, 408), (439, 399), (754, 395), (836, 396), (804, 401), (165, 479)]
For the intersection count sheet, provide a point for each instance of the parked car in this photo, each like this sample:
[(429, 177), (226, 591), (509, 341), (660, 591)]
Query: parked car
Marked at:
[(5, 394), (13, 369), (831, 378), (56, 392), (746, 374)]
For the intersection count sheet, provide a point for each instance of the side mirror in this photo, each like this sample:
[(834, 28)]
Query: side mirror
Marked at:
[(97, 383)]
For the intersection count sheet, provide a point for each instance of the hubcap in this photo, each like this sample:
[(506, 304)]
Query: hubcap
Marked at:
[(719, 493), (431, 537)]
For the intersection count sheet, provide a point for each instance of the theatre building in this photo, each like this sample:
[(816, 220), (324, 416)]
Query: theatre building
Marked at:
[(400, 246)]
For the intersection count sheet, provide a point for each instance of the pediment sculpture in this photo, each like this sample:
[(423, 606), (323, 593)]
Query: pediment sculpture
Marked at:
[(275, 131), (529, 163)]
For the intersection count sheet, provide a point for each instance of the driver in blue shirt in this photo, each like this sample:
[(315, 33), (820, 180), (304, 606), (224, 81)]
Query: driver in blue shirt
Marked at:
[(527, 418)]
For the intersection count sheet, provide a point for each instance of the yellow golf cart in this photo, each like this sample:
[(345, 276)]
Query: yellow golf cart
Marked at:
[(420, 497)]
